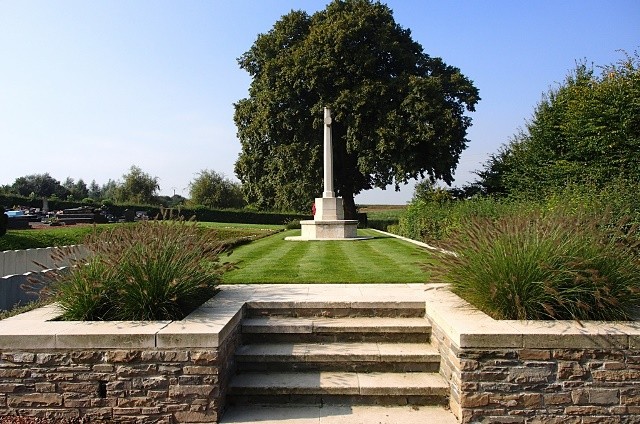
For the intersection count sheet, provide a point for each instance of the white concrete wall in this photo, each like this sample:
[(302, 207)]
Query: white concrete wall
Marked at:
[(13, 262), (13, 291)]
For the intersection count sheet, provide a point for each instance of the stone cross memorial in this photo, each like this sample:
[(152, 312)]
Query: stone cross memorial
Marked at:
[(328, 222)]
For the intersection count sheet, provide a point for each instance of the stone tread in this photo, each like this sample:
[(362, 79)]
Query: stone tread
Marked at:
[(340, 383), (338, 352), (287, 325), (337, 414)]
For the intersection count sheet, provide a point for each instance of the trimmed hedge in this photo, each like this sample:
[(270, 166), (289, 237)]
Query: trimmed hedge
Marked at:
[(9, 201), (200, 213)]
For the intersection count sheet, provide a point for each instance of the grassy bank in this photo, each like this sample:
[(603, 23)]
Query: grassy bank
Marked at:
[(382, 259), (47, 237), (72, 234)]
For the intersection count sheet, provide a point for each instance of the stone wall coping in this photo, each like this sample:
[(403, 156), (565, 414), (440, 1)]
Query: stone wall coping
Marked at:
[(209, 325), (468, 327)]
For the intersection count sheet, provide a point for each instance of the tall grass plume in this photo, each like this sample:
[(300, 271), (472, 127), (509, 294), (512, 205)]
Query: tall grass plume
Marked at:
[(153, 270), (550, 265)]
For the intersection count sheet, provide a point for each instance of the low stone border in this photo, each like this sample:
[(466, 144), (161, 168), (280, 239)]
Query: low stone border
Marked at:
[(498, 371), (158, 371), (535, 371)]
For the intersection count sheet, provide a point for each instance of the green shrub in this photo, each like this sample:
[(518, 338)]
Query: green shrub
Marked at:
[(294, 224), (382, 217), (615, 202), (382, 224), (544, 266), (153, 270), (433, 222)]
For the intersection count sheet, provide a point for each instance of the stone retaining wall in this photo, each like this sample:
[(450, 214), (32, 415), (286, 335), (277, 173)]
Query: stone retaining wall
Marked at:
[(534, 372), (498, 371), (154, 386), (86, 370)]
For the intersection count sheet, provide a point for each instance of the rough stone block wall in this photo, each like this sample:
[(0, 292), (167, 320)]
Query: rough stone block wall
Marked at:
[(144, 386), (520, 385), (449, 366)]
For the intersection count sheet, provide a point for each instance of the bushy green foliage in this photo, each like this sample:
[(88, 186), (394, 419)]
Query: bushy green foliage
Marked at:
[(137, 187), (434, 222), (212, 189), (398, 113), (76, 190), (38, 186), (544, 266), (585, 130), (154, 270), (294, 224)]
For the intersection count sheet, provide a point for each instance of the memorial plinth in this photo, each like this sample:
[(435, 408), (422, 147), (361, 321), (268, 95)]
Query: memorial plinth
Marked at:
[(328, 222)]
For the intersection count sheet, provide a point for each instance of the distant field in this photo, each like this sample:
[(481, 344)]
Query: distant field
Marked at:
[(381, 216), (381, 208), (382, 259)]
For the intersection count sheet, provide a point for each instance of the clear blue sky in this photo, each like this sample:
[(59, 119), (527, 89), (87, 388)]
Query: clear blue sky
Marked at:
[(89, 88)]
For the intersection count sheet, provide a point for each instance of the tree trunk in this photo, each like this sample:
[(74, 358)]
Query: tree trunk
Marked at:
[(349, 206)]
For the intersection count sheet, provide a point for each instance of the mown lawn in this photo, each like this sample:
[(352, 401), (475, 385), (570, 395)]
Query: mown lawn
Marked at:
[(46, 237), (382, 259), (72, 234)]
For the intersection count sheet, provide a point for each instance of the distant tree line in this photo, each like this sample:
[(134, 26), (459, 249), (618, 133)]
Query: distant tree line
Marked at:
[(208, 188)]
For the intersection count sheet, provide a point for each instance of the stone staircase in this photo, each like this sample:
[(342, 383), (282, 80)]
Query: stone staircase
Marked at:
[(324, 356)]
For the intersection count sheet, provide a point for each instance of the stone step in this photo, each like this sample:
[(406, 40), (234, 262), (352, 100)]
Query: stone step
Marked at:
[(342, 388), (337, 414), (319, 329), (404, 309), (380, 357)]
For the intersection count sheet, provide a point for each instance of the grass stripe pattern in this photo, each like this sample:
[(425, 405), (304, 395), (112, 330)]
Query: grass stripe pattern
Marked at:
[(381, 259)]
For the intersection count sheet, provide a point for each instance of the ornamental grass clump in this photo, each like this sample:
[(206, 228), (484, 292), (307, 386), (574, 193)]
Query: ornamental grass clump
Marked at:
[(153, 270), (546, 266)]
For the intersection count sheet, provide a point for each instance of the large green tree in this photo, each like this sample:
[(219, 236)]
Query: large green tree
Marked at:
[(40, 185), (398, 113), (76, 190), (213, 189), (137, 187), (585, 130)]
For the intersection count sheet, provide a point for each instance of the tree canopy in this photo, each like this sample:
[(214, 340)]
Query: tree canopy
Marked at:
[(137, 187), (585, 130), (39, 185), (212, 189), (398, 113)]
